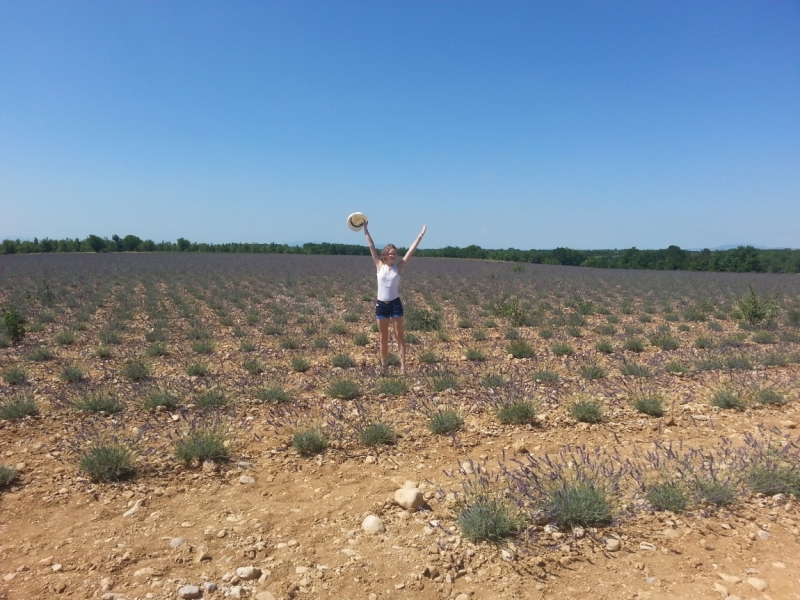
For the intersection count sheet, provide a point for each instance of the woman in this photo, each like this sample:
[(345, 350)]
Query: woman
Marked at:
[(388, 308)]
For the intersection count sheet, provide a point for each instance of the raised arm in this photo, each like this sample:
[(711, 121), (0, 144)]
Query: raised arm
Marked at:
[(411, 249), (375, 258)]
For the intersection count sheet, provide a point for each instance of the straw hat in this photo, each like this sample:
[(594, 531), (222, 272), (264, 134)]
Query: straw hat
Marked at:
[(356, 221)]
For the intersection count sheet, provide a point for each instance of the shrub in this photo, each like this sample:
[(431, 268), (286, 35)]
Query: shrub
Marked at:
[(247, 346), (15, 376), (361, 339), (487, 520), (738, 362), (310, 441), (17, 407), (7, 475), (518, 411), (71, 374), (65, 338), (274, 393), (775, 359), (160, 398), (605, 330), (769, 396), (665, 341), (14, 324), (338, 329), (709, 364), (273, 330), (604, 346), (351, 318), (464, 324), (575, 332), (714, 326), (443, 336), (634, 344), (444, 421), (377, 434), (344, 389), (650, 404), (586, 410), (392, 360), (582, 502), (412, 339), (755, 310), (546, 334), (428, 357), (420, 319), (771, 478), (99, 403), (41, 354), (443, 380), (197, 370), (157, 349), (763, 337), (475, 355), (343, 361), (202, 442), (211, 399), (703, 342), (727, 399), (136, 370), (511, 334), (203, 347), (478, 335), (684, 327), (392, 386), (289, 344), (108, 460), (720, 492), (633, 369), (300, 364), (102, 352), (675, 367), (669, 495), (109, 338), (493, 380), (545, 376), (592, 371), (562, 349), (253, 366), (157, 335)]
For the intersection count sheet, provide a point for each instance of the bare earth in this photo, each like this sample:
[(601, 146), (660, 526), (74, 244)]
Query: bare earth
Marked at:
[(298, 519)]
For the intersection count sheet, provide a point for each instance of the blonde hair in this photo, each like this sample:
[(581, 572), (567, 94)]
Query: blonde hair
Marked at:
[(385, 251)]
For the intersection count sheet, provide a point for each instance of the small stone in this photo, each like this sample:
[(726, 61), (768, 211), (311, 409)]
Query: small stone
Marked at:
[(520, 447), (265, 596), (46, 562), (409, 498), (176, 542), (209, 466), (779, 565), (764, 535), (462, 597), (732, 579), (246, 480), (373, 524), (757, 583), (133, 509), (236, 591), (467, 467), (210, 586), (248, 573), (106, 584), (647, 546), (788, 424), (578, 532), (371, 460), (507, 555), (56, 567), (671, 534), (190, 591), (301, 570), (410, 484), (112, 596), (721, 589), (613, 544), (706, 545), (145, 572), (187, 524)]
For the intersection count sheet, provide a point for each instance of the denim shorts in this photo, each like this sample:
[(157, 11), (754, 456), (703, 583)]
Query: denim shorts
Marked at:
[(393, 309)]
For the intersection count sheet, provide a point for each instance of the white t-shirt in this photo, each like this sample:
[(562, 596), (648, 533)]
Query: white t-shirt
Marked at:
[(388, 283)]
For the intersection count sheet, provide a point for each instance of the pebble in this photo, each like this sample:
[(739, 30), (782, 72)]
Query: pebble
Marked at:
[(246, 480), (647, 546), (176, 542), (757, 583), (265, 596), (507, 555), (613, 544), (779, 565), (248, 572), (729, 578), (56, 567), (706, 545), (144, 572), (371, 460), (373, 524), (721, 589), (788, 424), (112, 596), (133, 509), (520, 447), (671, 534), (462, 597), (764, 535), (409, 498), (210, 586), (209, 466), (190, 591), (236, 591)]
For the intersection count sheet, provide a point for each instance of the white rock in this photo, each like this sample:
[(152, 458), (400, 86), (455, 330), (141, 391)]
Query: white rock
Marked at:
[(613, 544), (373, 524), (409, 498), (112, 596), (210, 586), (236, 591), (176, 542), (144, 572), (779, 565), (247, 573), (757, 583), (190, 591), (671, 534), (265, 596), (246, 480), (732, 579), (764, 535), (410, 485), (133, 509), (721, 589), (647, 546)]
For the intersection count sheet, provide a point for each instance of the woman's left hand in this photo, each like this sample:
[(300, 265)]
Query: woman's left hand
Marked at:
[(424, 229)]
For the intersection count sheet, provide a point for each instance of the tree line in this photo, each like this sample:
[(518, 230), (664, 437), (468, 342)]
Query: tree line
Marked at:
[(744, 259)]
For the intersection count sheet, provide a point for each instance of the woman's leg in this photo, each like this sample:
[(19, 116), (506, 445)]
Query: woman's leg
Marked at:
[(399, 334), (383, 329)]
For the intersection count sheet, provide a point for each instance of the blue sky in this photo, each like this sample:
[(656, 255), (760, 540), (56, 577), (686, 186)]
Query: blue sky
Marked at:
[(525, 124)]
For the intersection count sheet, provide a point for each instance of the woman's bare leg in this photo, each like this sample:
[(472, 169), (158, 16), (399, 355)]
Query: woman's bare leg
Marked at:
[(401, 341), (383, 329)]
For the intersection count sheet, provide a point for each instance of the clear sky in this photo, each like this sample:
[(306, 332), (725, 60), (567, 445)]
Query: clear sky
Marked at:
[(528, 124)]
